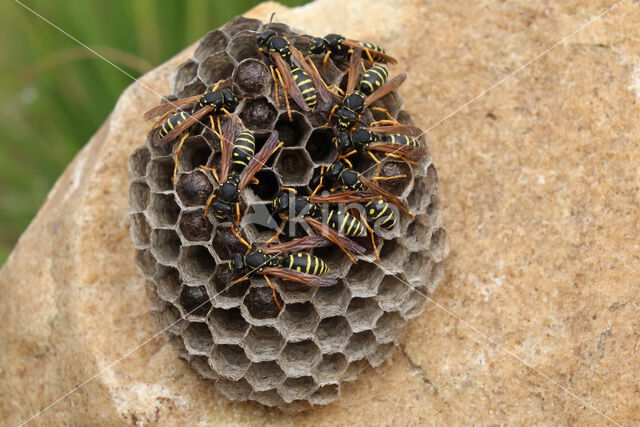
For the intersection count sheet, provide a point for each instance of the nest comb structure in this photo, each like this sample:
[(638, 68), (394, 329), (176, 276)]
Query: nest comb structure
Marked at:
[(235, 336)]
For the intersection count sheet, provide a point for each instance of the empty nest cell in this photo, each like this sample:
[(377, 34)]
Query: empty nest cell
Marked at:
[(263, 343)]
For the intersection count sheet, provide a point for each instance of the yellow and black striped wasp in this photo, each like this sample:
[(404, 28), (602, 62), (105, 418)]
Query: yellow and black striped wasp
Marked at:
[(335, 225), (300, 267), (238, 167), (212, 103), (298, 78), (372, 196), (339, 47), (372, 87), (381, 139)]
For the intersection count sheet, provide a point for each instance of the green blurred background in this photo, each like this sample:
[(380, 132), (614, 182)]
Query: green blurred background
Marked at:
[(55, 93)]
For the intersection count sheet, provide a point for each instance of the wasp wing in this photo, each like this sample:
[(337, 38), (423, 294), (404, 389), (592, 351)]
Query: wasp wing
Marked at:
[(401, 150), (323, 92), (383, 56), (384, 194), (192, 120), (297, 276), (226, 148), (344, 243), (170, 105), (387, 88), (349, 196), (296, 245), (289, 83), (258, 161), (354, 70), (399, 130)]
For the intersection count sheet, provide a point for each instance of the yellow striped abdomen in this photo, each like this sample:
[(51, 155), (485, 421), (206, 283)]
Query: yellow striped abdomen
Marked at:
[(304, 83), (306, 263), (401, 140), (172, 121), (373, 78), (244, 147), (346, 224), (381, 213)]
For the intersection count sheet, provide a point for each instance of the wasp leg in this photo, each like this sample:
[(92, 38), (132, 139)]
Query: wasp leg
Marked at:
[(369, 57), (237, 213), (373, 238), (275, 236), (350, 153), (208, 204), (384, 123), (334, 89), (391, 120), (292, 190), (275, 85), (212, 170), (333, 110), (286, 96), (241, 239), (217, 85), (375, 159), (348, 162), (399, 157), (325, 60), (175, 157), (387, 178), (320, 183), (273, 289)]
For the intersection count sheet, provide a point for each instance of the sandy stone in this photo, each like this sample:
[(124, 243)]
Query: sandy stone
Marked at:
[(539, 181)]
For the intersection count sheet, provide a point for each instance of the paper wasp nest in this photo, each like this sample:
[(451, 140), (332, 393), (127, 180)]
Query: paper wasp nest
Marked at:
[(237, 338)]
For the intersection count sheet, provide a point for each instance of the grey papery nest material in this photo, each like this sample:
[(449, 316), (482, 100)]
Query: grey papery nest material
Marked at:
[(236, 337)]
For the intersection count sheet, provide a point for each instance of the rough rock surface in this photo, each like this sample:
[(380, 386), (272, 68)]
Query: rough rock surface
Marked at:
[(539, 183)]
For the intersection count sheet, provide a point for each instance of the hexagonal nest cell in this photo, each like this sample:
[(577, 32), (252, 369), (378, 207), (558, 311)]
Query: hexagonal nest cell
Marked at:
[(298, 355)]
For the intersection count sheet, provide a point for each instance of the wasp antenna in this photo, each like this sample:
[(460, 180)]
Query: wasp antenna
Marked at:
[(271, 18), (244, 33)]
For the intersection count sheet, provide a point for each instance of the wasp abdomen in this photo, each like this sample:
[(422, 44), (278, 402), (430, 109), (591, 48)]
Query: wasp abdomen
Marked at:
[(346, 224), (304, 83), (172, 121), (381, 213), (244, 148), (306, 263), (373, 78), (401, 140)]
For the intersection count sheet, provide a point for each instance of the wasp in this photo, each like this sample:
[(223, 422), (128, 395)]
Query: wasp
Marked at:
[(372, 87), (238, 167), (373, 196), (299, 79), (380, 139), (300, 267), (212, 103), (336, 226), (339, 46)]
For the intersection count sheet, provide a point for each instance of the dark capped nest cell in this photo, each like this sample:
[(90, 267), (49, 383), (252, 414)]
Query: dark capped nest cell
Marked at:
[(298, 355)]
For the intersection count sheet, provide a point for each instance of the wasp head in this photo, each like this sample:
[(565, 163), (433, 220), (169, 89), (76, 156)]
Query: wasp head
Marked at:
[(237, 263), (333, 171), (343, 142), (281, 203), (265, 36), (318, 45)]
